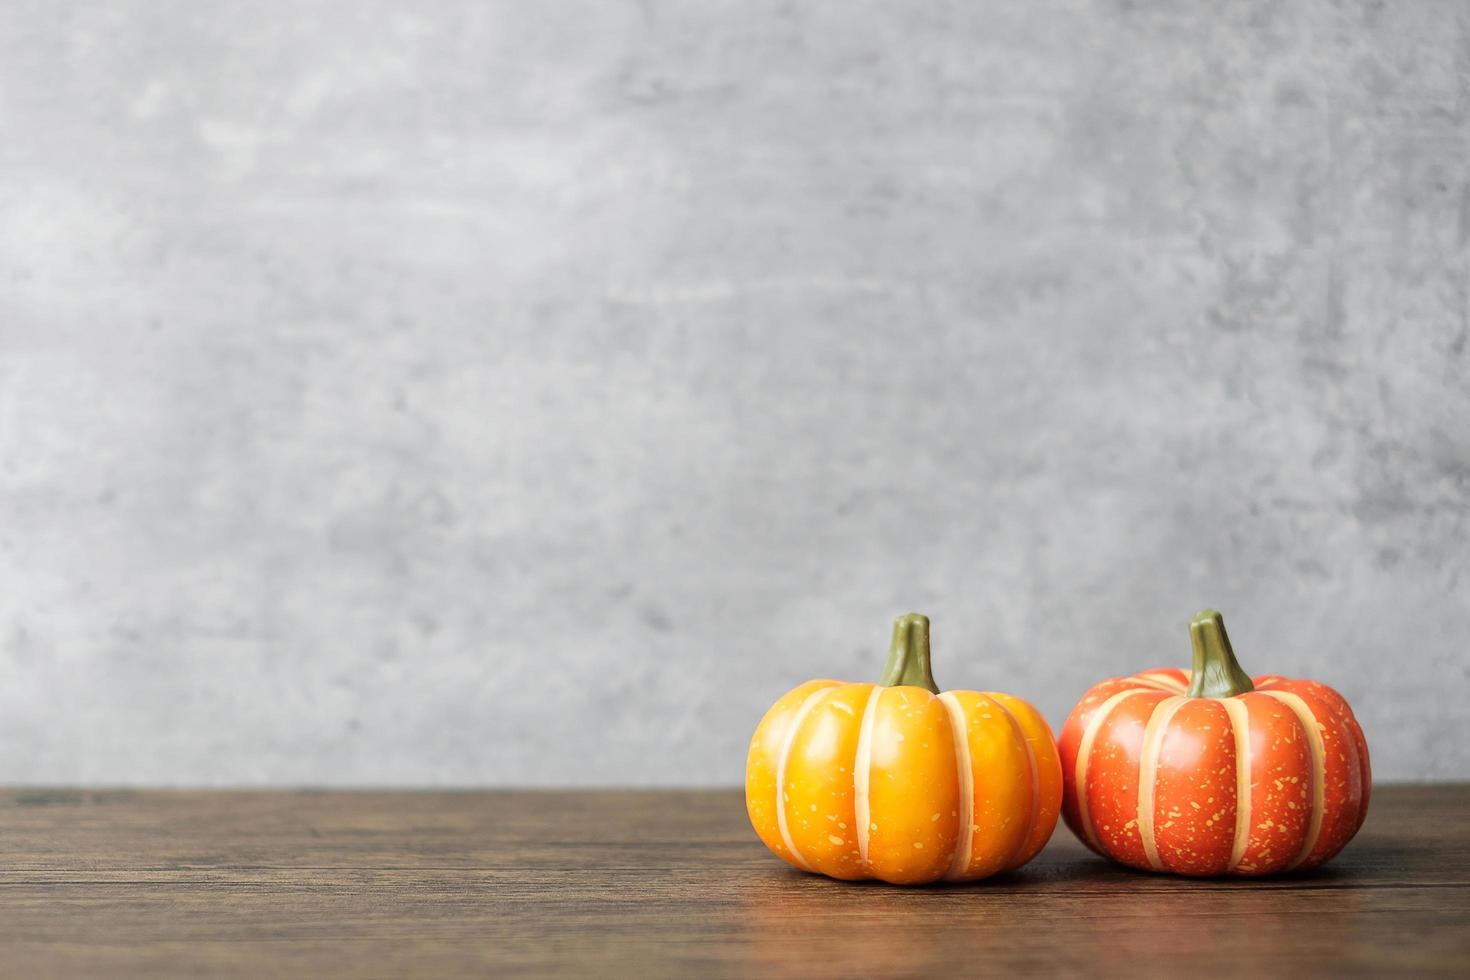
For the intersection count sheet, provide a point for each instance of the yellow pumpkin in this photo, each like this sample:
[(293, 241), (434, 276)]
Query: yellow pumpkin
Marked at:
[(899, 782)]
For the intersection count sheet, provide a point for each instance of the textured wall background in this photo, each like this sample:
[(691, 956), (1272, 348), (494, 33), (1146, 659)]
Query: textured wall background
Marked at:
[(531, 393)]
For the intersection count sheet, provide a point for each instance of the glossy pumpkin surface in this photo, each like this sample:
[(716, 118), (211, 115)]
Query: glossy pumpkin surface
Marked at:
[(1210, 772), (898, 782)]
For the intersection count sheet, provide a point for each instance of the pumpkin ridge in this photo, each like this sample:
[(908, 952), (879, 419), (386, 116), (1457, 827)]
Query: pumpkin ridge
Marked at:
[(1159, 681), (1084, 757), (1033, 813), (861, 778), (1240, 721), (782, 821), (1308, 721), (1148, 772), (1041, 748), (965, 770)]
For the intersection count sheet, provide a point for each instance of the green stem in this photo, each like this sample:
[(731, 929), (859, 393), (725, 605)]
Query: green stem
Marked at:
[(1216, 672), (908, 657)]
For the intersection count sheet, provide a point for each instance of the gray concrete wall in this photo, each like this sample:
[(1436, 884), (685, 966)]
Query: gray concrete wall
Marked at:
[(522, 393)]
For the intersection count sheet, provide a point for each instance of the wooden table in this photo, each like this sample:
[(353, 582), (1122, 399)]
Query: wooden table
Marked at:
[(646, 884)]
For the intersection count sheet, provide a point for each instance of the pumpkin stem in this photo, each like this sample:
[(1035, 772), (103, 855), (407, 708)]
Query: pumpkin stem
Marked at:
[(1216, 672), (908, 657)]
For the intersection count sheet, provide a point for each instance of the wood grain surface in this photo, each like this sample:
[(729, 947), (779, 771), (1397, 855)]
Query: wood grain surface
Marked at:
[(663, 883)]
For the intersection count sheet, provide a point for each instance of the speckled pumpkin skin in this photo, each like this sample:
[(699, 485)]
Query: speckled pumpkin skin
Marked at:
[(1276, 779), (860, 781)]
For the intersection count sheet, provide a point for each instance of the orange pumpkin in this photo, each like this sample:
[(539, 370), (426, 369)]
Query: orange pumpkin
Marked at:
[(1208, 772), (899, 782)]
